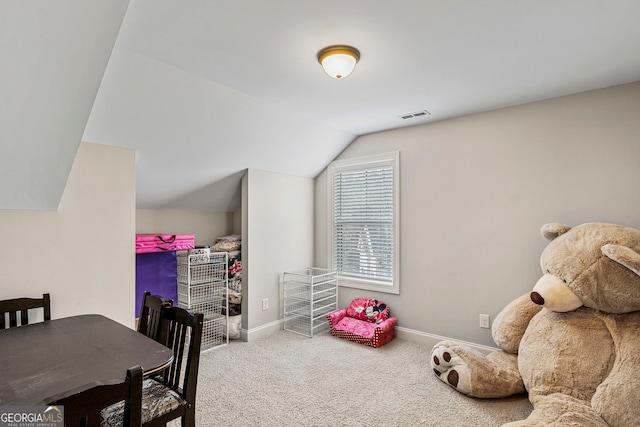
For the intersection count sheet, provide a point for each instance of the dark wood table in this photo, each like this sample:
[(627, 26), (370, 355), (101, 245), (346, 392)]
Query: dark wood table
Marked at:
[(44, 359)]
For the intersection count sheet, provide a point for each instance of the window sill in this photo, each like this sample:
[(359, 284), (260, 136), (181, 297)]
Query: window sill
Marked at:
[(369, 285)]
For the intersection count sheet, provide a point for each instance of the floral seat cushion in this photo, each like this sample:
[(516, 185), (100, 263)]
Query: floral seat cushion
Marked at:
[(157, 399)]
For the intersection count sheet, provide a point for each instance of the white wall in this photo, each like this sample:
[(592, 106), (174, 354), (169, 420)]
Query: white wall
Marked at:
[(476, 190), (54, 54), (206, 226), (278, 236), (83, 254)]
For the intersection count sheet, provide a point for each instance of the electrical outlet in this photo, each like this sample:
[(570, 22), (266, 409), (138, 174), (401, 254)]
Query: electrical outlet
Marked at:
[(265, 304), (484, 321)]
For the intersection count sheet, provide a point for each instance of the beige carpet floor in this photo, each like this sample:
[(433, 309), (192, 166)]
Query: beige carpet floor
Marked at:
[(287, 379)]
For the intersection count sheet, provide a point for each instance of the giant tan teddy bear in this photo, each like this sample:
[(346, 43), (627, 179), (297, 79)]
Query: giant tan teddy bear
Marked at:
[(573, 343)]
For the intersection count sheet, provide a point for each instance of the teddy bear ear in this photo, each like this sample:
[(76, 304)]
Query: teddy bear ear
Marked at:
[(624, 256), (552, 230)]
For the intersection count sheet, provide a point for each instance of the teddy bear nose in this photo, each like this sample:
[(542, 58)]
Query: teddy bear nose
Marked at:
[(537, 298)]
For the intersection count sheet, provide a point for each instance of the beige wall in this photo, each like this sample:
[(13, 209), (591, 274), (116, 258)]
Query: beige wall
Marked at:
[(278, 236), (206, 226), (476, 190), (84, 253), (276, 222), (474, 193)]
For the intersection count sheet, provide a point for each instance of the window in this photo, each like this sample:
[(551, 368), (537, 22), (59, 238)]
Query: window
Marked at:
[(363, 222)]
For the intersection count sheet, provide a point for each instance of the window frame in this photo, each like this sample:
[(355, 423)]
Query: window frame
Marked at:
[(363, 163)]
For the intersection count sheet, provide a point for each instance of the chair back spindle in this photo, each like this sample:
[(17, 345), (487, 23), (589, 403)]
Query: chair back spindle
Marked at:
[(181, 330), (151, 311), (18, 308), (90, 406)]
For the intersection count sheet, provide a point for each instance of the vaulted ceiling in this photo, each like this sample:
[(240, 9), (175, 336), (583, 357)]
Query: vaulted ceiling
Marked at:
[(203, 90)]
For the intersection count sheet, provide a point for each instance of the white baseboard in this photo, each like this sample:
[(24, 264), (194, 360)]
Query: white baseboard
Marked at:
[(431, 339), (260, 331), (401, 333)]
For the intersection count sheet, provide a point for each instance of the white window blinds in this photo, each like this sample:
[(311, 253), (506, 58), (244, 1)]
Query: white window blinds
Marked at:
[(363, 221)]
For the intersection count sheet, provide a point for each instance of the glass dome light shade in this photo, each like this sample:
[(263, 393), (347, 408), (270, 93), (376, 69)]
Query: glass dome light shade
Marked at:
[(338, 61)]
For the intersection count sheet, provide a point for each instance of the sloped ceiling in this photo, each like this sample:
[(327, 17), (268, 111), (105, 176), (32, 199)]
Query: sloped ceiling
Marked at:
[(52, 58), (203, 90)]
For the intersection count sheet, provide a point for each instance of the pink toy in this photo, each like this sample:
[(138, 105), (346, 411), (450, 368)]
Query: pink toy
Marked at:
[(365, 321)]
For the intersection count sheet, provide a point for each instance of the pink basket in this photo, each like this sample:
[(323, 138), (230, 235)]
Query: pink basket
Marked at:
[(146, 243)]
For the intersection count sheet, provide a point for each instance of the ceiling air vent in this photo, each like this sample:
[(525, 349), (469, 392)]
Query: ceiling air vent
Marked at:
[(417, 114)]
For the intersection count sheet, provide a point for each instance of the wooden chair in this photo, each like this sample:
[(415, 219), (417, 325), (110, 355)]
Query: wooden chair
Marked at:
[(19, 308), (151, 314), (96, 405), (172, 393)]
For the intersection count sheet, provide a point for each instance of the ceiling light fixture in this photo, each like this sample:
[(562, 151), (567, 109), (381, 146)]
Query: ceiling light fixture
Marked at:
[(338, 60)]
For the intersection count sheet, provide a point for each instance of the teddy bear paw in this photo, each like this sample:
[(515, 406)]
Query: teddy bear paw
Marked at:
[(450, 367)]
